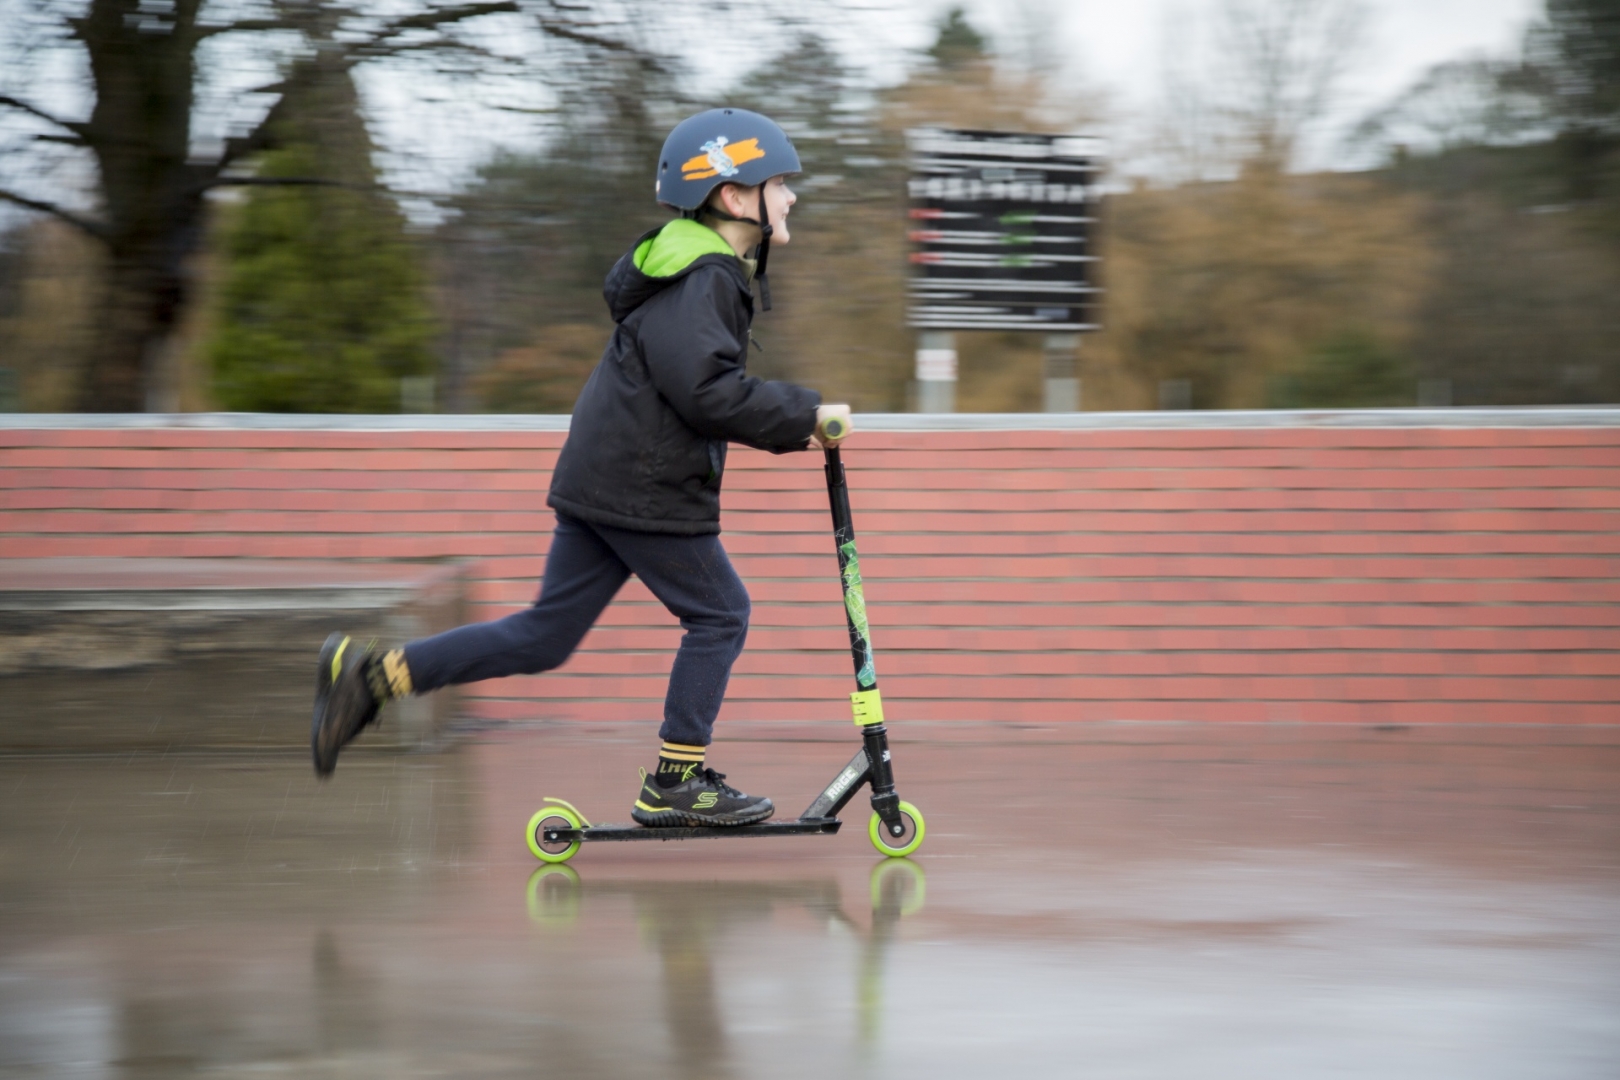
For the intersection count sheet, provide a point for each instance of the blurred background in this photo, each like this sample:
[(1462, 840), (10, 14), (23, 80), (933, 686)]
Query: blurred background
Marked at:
[(314, 206), (1249, 744)]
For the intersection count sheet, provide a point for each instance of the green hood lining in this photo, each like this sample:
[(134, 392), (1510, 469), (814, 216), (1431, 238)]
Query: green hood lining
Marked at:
[(677, 246)]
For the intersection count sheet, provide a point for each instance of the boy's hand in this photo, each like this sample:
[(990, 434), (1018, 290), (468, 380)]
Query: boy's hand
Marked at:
[(833, 423)]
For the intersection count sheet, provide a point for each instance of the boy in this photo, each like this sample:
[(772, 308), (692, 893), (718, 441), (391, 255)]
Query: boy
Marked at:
[(637, 485)]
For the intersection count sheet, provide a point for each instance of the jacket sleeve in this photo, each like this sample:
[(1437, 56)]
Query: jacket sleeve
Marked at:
[(695, 343)]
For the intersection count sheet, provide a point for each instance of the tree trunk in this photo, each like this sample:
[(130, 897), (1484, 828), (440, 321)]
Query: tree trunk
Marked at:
[(142, 64), (136, 317)]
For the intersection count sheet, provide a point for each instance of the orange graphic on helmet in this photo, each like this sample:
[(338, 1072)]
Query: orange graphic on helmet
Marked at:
[(720, 158)]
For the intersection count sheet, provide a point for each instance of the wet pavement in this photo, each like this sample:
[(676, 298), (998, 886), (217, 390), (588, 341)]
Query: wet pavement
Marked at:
[(1145, 901)]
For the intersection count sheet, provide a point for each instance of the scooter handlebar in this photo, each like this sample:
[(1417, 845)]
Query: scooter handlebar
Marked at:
[(833, 424)]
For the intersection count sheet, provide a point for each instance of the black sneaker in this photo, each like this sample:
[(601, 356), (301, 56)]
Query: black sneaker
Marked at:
[(704, 799), (344, 702)]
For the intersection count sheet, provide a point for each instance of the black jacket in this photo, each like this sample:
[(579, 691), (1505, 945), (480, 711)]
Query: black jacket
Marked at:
[(646, 448)]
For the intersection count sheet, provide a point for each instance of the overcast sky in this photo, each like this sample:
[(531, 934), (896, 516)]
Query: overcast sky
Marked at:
[(1118, 47), (1119, 44)]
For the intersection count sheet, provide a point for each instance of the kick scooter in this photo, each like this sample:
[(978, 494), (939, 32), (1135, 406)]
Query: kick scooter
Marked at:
[(557, 830)]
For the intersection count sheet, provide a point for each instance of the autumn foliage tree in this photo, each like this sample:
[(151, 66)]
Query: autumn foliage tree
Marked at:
[(1244, 282), (1234, 286)]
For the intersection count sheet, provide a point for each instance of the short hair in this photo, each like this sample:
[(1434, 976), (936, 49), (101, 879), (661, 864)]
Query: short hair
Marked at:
[(715, 194)]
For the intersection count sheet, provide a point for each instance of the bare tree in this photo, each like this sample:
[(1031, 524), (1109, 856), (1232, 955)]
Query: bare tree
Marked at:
[(152, 176), (1284, 61), (1251, 91)]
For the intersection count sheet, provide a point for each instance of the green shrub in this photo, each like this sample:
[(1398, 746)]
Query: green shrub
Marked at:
[(1351, 370)]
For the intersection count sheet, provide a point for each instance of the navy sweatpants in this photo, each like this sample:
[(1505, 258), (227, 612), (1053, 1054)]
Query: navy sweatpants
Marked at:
[(588, 563)]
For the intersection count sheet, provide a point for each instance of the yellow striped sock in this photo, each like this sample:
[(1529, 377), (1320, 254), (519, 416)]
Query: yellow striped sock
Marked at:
[(677, 761), (399, 675)]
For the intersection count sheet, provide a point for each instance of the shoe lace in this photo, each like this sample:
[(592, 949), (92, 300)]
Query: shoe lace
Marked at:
[(717, 780)]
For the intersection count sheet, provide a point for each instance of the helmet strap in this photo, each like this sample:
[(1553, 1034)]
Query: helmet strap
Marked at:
[(763, 252)]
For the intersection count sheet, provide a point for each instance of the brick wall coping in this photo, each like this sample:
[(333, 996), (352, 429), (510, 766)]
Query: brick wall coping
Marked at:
[(1585, 417)]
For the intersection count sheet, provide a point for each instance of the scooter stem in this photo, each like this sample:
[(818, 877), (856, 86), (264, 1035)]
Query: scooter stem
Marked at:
[(866, 702), (849, 574)]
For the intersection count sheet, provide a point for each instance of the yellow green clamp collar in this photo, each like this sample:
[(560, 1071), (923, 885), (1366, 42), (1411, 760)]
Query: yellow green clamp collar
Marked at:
[(868, 707)]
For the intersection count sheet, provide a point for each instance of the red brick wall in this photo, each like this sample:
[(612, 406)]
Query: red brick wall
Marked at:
[(1384, 575)]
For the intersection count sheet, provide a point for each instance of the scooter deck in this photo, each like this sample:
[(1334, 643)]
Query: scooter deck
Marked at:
[(794, 827)]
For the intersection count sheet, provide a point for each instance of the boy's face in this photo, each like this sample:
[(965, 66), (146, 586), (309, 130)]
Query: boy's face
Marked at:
[(779, 198)]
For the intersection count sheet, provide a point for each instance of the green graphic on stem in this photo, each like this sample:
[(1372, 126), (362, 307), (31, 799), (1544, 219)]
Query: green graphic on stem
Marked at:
[(855, 605)]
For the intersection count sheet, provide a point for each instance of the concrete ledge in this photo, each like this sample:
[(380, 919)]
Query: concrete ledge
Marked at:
[(1581, 417), (129, 653)]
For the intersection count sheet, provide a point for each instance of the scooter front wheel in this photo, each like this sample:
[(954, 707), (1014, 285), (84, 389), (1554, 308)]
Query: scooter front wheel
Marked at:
[(552, 817), (897, 847)]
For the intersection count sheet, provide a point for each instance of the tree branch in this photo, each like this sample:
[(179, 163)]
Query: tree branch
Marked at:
[(273, 181), (427, 20), (564, 30), (65, 125), (84, 224), (385, 42), (241, 26), (373, 50), (259, 138)]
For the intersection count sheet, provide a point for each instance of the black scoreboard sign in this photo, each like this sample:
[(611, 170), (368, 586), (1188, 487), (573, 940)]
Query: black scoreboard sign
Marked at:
[(1000, 230)]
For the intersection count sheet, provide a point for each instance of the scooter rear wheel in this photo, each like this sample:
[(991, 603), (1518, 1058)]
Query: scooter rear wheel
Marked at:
[(898, 847)]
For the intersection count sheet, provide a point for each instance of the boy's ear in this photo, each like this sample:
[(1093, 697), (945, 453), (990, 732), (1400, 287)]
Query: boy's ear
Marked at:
[(733, 199)]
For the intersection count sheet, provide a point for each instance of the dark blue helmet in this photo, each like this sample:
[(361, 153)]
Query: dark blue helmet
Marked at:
[(718, 147)]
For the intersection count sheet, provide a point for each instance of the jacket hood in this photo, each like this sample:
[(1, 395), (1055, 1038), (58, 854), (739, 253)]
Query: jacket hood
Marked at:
[(664, 256)]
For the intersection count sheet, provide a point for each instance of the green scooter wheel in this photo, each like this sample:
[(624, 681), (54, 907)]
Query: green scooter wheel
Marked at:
[(552, 851), (897, 847)]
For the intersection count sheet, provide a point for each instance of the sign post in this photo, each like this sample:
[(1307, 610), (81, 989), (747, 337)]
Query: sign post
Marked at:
[(936, 371), (1001, 229), (1062, 377)]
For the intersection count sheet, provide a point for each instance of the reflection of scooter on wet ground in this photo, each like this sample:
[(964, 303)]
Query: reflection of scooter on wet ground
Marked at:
[(896, 828), (682, 920), (899, 890)]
